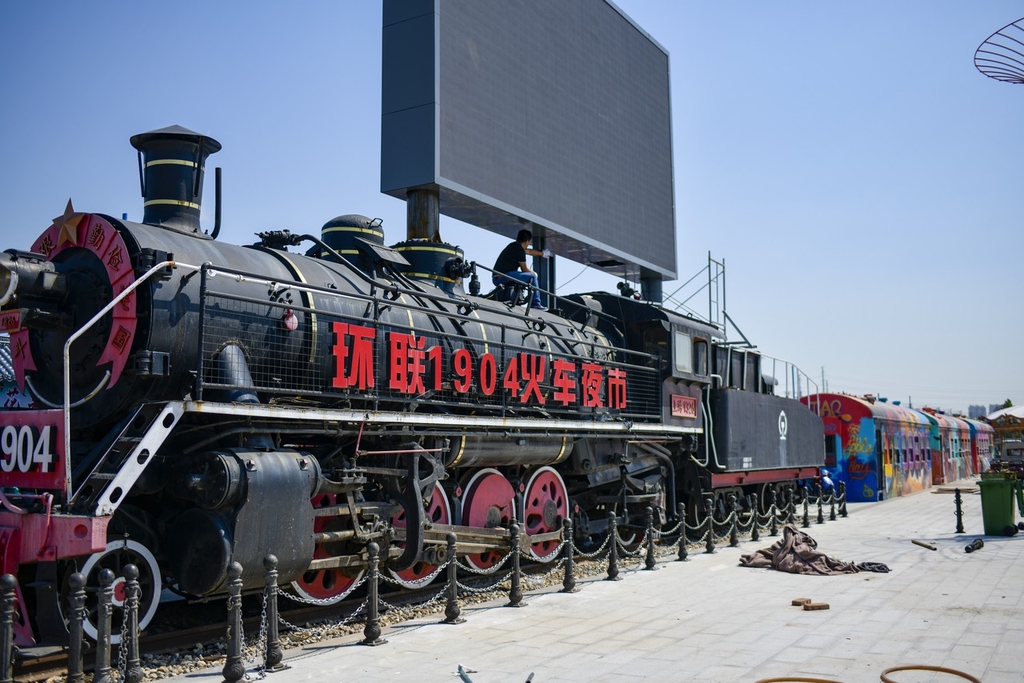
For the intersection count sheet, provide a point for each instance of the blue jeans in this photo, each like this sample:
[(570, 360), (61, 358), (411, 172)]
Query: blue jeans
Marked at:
[(526, 278)]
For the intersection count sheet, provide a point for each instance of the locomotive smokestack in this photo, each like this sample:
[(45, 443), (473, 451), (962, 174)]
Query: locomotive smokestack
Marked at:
[(171, 164)]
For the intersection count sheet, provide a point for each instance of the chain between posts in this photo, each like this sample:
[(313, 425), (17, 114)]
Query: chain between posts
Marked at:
[(268, 643)]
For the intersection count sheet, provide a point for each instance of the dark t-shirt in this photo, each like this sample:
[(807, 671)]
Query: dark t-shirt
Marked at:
[(510, 258)]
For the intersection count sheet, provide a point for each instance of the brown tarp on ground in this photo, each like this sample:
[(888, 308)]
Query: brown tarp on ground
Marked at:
[(797, 553)]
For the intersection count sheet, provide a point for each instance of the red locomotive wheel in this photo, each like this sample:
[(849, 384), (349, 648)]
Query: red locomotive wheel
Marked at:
[(545, 506), (438, 511), (328, 586), (489, 502)]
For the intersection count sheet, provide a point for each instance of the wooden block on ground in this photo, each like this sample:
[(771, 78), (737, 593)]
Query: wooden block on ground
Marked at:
[(799, 602), (812, 606)]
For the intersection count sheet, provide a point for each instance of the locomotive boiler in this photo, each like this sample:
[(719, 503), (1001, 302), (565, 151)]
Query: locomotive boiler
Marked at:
[(196, 403)]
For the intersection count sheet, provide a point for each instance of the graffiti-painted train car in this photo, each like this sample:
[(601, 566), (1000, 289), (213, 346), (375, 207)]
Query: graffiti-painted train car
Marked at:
[(950, 439), (878, 449), (983, 445)]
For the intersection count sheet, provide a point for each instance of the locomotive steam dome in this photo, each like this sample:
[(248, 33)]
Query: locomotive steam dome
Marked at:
[(344, 232), (171, 165)]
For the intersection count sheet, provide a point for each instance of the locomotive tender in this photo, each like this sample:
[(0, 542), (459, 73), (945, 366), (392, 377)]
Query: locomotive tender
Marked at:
[(196, 403)]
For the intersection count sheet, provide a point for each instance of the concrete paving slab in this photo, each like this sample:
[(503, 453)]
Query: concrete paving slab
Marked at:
[(709, 619)]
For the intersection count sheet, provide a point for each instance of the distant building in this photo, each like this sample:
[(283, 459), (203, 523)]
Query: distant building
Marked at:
[(974, 412), (993, 407)]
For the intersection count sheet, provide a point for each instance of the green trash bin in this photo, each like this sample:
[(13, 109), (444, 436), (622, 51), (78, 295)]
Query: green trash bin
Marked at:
[(997, 494)]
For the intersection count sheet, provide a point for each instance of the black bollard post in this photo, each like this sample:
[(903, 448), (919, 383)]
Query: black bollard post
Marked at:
[(8, 602), (650, 564), (130, 629), (569, 582), (76, 629), (832, 505), (842, 498), (515, 593), (234, 667), (709, 542), (734, 531), (371, 631), (806, 497), (682, 532), (274, 653), (755, 534), (773, 508), (821, 510), (451, 609), (613, 548), (104, 609), (976, 544), (959, 511)]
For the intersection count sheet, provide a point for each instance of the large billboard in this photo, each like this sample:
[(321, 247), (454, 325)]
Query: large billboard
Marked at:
[(554, 115)]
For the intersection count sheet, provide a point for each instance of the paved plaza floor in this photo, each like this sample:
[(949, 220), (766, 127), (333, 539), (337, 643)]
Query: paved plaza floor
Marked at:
[(709, 619)]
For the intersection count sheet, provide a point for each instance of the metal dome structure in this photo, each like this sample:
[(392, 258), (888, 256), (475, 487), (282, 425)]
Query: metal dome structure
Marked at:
[(1001, 56)]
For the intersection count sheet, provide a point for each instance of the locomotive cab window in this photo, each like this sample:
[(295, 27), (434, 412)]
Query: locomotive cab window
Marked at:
[(700, 356), (683, 352)]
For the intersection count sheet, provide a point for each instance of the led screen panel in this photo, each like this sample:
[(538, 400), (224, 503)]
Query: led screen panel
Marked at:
[(552, 114)]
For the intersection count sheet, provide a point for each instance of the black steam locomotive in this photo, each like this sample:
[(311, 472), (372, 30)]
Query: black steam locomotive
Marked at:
[(196, 403)]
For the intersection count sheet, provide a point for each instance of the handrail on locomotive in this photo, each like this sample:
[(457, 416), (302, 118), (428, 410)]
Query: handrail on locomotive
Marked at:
[(67, 360)]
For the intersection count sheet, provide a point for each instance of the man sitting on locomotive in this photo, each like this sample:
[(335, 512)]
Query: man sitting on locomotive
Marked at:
[(511, 263)]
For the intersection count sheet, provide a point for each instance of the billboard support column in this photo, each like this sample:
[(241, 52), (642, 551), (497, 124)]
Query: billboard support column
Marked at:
[(422, 215), (650, 286)]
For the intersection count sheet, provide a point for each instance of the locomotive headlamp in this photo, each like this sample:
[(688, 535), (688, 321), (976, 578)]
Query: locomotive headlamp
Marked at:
[(30, 275)]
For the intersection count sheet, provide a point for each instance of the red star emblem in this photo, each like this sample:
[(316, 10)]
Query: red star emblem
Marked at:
[(68, 224)]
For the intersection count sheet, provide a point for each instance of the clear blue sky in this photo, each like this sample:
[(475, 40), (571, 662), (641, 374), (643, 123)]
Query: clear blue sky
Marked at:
[(860, 178)]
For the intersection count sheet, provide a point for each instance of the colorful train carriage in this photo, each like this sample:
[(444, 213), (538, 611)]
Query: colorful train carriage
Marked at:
[(983, 445), (877, 449), (950, 442)]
